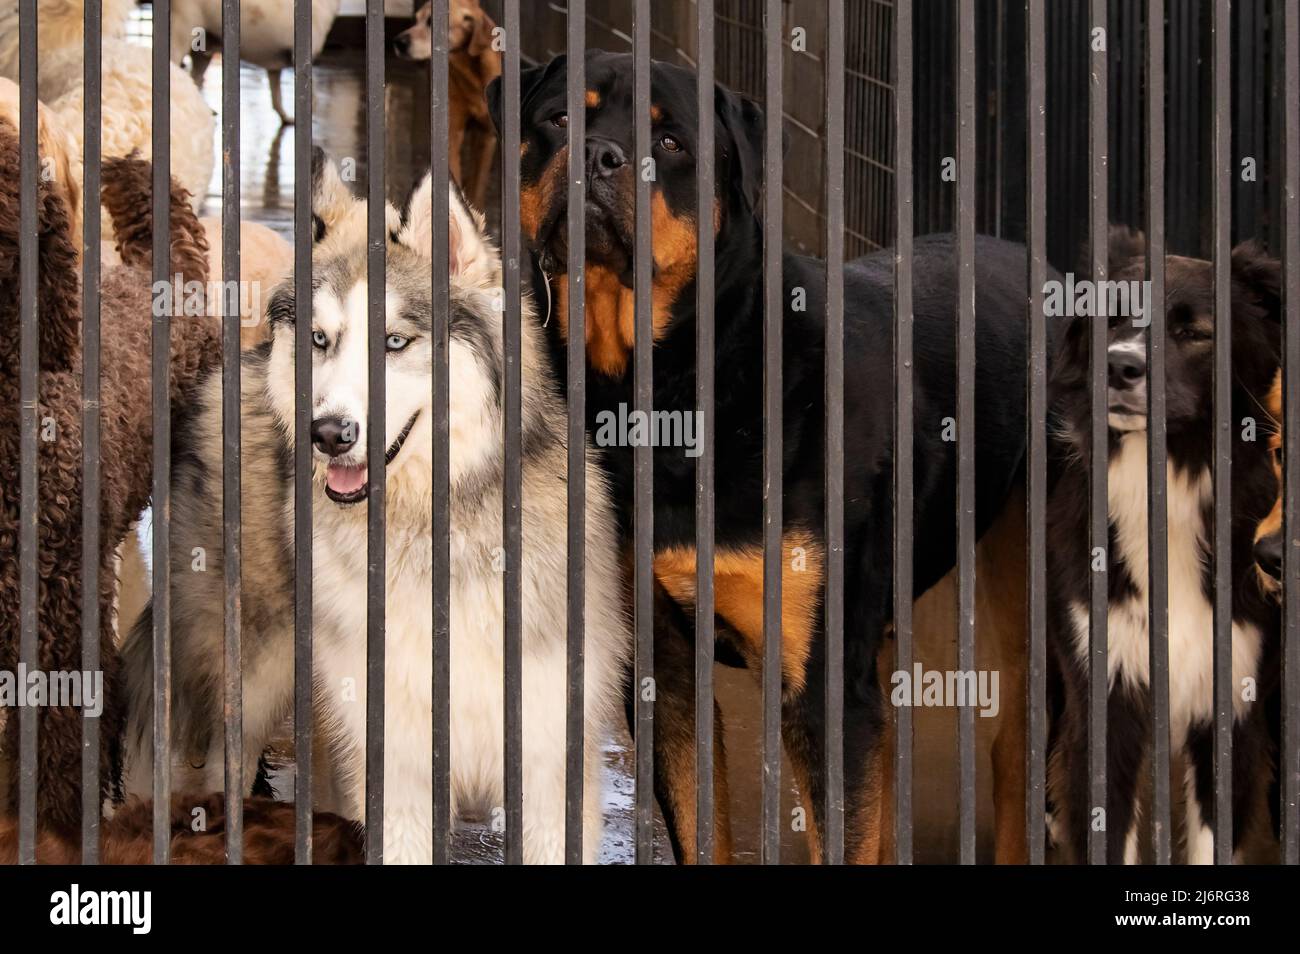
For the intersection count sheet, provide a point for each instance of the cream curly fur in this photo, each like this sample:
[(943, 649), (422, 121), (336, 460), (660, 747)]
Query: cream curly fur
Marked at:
[(127, 91)]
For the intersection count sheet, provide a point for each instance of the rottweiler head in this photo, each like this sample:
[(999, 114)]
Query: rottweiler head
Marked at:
[(610, 170)]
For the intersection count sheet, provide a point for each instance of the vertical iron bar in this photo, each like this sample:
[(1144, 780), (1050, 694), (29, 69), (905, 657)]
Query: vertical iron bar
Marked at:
[(965, 41), (1221, 33), (1157, 459), (230, 430), (1289, 763), (161, 338), (439, 169), (773, 320), (1036, 490), (577, 380), (91, 806), (376, 429), (302, 413), (832, 838), (643, 460), (1098, 683), (903, 401), (706, 469), (512, 501), (29, 388)]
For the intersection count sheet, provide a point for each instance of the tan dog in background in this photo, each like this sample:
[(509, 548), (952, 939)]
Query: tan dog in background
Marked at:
[(472, 63)]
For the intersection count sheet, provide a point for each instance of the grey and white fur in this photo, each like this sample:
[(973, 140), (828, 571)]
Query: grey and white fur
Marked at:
[(339, 396)]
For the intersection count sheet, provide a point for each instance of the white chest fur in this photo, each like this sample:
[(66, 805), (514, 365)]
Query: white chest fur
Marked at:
[(1191, 615)]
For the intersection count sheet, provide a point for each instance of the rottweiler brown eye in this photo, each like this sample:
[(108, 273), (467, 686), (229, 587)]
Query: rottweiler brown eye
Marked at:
[(561, 120), (671, 144)]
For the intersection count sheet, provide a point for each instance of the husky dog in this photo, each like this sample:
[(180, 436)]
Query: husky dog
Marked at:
[(339, 421)]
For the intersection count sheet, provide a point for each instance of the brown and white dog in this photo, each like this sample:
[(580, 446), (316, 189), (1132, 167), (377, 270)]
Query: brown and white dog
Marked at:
[(472, 63)]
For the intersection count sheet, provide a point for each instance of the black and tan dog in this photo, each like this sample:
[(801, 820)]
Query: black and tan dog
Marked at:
[(738, 441)]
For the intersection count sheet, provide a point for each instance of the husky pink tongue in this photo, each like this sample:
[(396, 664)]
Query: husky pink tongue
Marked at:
[(345, 479)]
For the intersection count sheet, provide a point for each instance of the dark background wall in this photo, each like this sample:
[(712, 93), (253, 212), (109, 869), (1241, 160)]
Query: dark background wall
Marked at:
[(869, 134)]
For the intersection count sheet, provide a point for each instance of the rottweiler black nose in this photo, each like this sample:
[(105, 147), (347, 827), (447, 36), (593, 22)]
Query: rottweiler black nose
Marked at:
[(604, 158), (1127, 368), (333, 435), (1268, 554)]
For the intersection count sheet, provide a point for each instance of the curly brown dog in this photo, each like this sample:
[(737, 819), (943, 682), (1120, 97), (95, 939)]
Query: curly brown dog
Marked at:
[(126, 435), (127, 838)]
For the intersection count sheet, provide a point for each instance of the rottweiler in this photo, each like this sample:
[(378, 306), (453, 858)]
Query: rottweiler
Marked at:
[(1001, 274)]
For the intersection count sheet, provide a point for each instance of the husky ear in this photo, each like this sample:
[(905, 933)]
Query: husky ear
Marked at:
[(467, 247), (330, 198)]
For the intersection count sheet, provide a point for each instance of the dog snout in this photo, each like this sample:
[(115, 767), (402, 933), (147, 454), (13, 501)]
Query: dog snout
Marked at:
[(402, 44), (604, 158), (1268, 554), (1127, 368), (333, 436)]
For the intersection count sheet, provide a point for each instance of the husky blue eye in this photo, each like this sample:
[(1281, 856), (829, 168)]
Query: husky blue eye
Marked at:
[(318, 339), (396, 342)]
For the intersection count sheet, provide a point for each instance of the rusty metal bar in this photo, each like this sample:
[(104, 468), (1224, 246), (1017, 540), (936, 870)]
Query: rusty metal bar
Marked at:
[(1036, 475), (439, 170), (1221, 219), (577, 436), (643, 459), (302, 414), (1157, 456), (706, 464), (161, 497), (1098, 681), (904, 64), (230, 430), (833, 835), (773, 322), (1289, 761), (91, 806), (376, 429), (965, 43), (512, 508), (29, 390)]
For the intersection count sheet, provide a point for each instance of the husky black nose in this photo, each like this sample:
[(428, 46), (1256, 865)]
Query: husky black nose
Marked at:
[(333, 435), (604, 158), (1268, 554), (1127, 368)]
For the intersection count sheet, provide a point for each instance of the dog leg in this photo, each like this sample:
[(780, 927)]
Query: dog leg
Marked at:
[(487, 148), (674, 737), (273, 77)]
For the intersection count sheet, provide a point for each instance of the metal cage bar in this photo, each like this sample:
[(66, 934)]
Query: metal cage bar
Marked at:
[(1036, 475), (376, 428), (91, 802), (643, 459), (965, 43), (577, 436), (511, 502), (832, 838), (904, 67), (29, 391), (1099, 523), (706, 466), (773, 322), (161, 497), (302, 414), (1289, 762), (439, 171), (1221, 221), (230, 430), (1157, 456)]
